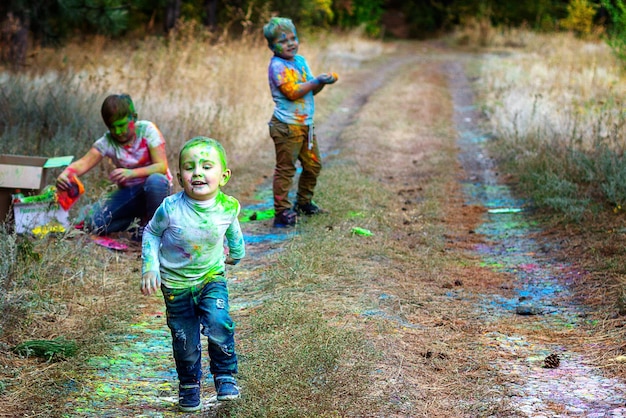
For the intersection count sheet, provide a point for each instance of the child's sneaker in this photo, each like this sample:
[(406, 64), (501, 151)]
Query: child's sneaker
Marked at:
[(226, 387), (285, 218), (308, 209), (189, 397)]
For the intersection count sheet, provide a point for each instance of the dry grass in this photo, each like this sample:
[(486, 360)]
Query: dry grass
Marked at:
[(553, 97), (189, 84), (60, 288), (558, 88)]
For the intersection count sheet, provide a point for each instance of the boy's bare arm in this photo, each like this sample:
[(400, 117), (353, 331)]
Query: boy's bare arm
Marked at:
[(78, 168), (294, 91)]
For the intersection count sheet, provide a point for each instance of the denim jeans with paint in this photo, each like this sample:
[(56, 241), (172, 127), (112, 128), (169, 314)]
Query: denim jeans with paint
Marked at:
[(117, 211), (294, 143), (196, 311)]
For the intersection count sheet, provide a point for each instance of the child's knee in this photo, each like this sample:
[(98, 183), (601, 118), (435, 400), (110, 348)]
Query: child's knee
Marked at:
[(157, 180)]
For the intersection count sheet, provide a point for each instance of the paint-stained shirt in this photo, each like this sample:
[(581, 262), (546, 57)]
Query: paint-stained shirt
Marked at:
[(135, 154), (184, 241), (281, 71)]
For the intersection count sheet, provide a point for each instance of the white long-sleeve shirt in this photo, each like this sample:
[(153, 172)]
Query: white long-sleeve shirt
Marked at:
[(184, 241)]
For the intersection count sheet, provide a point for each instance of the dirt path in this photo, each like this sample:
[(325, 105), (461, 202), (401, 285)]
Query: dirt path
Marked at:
[(139, 379), (521, 320), (540, 310)]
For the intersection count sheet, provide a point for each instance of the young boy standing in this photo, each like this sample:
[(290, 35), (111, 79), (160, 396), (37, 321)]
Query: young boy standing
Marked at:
[(183, 254), (291, 127)]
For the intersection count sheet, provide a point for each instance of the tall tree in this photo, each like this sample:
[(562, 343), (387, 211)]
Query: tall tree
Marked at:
[(210, 14), (172, 14)]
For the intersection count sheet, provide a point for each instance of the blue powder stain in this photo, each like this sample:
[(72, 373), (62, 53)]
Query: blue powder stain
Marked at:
[(510, 248), (264, 238)]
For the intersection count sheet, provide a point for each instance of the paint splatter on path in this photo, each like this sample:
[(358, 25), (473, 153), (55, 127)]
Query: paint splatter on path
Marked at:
[(138, 378), (541, 300)]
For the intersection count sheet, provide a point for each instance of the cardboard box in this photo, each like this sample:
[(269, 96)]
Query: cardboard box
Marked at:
[(26, 174), (29, 216)]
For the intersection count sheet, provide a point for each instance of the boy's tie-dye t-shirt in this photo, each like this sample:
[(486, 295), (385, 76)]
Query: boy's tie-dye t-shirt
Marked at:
[(136, 154), (184, 241), (281, 71)]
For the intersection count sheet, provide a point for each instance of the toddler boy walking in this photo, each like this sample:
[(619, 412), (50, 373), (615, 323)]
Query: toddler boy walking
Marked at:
[(183, 254)]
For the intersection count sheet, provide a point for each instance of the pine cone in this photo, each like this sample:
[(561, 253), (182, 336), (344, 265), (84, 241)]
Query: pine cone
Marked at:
[(552, 361)]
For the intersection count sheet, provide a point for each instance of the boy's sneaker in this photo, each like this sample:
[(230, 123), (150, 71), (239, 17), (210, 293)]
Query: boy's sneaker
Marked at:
[(226, 387), (308, 209), (285, 219), (189, 397)]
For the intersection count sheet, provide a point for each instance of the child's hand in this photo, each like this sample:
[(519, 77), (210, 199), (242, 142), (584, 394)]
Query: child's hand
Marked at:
[(150, 283), (64, 181), (327, 78), (232, 261), (119, 175)]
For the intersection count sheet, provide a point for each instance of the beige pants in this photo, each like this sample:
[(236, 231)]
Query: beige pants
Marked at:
[(294, 143)]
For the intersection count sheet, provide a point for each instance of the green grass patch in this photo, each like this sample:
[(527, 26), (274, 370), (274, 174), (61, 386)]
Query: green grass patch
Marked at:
[(295, 363)]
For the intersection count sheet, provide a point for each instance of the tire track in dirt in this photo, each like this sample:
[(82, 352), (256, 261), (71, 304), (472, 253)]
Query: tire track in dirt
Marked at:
[(138, 377), (542, 306)]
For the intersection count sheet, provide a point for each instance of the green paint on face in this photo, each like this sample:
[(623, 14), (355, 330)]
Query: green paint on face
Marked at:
[(208, 144), (284, 41)]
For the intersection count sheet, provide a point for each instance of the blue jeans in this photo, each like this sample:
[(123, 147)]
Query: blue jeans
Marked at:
[(201, 310), (117, 211)]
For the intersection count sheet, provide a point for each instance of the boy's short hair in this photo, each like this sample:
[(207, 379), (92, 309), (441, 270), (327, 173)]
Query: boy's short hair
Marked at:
[(209, 142), (276, 24), (116, 107)]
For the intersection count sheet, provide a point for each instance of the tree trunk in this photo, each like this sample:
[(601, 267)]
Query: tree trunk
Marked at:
[(172, 13), (14, 40), (210, 18)]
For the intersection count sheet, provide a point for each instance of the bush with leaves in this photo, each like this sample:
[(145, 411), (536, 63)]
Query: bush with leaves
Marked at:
[(356, 13), (617, 28), (580, 15)]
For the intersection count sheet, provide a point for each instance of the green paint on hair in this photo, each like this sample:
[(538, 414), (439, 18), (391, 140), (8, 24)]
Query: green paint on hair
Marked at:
[(208, 143)]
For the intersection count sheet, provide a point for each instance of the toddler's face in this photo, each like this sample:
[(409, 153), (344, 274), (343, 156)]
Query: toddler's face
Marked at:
[(286, 45), (201, 173)]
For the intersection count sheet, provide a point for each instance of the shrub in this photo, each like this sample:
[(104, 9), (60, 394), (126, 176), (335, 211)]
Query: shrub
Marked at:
[(360, 13), (580, 14), (617, 32)]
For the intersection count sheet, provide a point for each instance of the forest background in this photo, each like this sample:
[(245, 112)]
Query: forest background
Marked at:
[(54, 22)]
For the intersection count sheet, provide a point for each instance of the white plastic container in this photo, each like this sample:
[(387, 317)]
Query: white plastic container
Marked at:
[(29, 216)]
